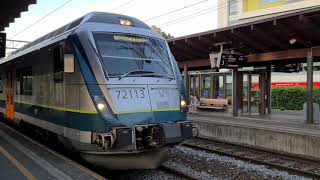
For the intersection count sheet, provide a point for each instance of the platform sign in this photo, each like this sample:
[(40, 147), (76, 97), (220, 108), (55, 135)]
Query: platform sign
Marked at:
[(226, 61), (2, 45), (215, 60), (234, 60)]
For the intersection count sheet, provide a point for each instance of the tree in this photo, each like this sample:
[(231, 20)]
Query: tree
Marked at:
[(165, 35)]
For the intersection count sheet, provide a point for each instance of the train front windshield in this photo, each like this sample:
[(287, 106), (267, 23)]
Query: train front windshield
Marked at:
[(131, 55)]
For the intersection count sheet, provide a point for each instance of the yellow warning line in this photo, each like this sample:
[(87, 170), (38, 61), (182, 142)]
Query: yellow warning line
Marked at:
[(20, 167)]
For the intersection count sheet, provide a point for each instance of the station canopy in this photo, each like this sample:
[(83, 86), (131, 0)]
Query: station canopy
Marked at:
[(10, 9), (283, 38)]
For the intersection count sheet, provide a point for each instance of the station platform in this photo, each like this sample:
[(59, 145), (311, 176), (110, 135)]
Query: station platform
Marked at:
[(23, 158), (280, 133)]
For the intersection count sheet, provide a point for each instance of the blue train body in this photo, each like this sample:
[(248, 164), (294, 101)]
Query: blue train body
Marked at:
[(106, 84)]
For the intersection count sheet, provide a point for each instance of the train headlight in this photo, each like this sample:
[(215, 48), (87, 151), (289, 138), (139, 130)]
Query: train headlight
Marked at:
[(183, 104), (125, 22), (102, 107)]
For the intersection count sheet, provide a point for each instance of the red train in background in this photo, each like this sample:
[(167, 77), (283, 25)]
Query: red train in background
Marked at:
[(284, 84), (301, 84)]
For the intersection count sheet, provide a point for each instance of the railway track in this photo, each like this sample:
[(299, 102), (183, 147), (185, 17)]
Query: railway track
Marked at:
[(176, 172), (289, 163)]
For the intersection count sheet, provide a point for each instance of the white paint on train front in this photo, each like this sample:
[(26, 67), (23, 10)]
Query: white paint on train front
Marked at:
[(143, 94)]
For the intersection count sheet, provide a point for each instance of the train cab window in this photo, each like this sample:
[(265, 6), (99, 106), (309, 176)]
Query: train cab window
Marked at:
[(123, 53), (24, 81), (58, 64)]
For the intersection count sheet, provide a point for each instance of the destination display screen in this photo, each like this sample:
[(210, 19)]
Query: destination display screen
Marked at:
[(130, 39)]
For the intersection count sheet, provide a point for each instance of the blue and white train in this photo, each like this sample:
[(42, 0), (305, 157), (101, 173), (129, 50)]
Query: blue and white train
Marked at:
[(105, 84)]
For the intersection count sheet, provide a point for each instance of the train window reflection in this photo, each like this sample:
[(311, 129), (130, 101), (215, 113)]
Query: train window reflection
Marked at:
[(124, 53), (58, 64), (24, 81), (1, 87)]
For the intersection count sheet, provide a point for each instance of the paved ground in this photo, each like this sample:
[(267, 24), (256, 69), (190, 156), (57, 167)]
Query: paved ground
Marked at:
[(276, 115), (22, 158), (263, 123)]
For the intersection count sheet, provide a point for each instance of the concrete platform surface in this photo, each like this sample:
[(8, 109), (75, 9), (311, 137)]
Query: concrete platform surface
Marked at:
[(23, 158), (283, 136)]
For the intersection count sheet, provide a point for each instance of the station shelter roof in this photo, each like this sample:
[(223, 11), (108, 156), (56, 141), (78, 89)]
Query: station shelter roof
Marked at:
[(10, 9), (262, 42)]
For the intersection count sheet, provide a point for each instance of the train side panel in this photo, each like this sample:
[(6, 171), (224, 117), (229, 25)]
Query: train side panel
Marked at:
[(56, 101)]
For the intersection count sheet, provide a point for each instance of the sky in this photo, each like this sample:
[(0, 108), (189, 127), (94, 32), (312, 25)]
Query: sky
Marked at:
[(191, 19)]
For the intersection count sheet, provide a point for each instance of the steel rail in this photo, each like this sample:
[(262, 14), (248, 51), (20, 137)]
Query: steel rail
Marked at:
[(176, 172), (289, 163)]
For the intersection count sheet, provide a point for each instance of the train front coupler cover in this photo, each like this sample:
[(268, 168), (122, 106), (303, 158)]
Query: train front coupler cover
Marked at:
[(144, 137)]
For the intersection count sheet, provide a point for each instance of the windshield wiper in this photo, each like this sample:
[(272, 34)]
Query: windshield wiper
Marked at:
[(135, 72), (159, 75)]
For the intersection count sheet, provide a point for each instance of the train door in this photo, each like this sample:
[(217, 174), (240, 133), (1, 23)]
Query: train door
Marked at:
[(9, 95)]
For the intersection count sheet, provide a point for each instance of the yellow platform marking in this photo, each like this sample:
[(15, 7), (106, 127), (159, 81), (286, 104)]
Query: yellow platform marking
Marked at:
[(88, 171), (19, 166)]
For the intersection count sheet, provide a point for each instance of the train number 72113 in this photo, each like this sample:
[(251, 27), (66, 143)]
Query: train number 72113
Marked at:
[(130, 94)]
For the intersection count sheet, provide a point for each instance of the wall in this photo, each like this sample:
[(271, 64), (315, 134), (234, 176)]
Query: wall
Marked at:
[(249, 9), (254, 8), (252, 5), (294, 141), (223, 13)]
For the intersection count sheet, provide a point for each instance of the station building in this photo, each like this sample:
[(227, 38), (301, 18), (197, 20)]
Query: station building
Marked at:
[(275, 36), (233, 12), (280, 42)]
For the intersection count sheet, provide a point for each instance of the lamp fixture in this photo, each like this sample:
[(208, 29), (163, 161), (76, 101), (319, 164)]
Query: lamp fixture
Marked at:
[(292, 41)]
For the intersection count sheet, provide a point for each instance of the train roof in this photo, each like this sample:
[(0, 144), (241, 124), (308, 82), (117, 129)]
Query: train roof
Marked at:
[(64, 31)]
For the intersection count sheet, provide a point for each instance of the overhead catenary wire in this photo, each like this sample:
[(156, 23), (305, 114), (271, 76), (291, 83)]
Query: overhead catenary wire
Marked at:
[(176, 10), (39, 20), (45, 16), (193, 15), (155, 17), (219, 6), (189, 16), (56, 9), (122, 5)]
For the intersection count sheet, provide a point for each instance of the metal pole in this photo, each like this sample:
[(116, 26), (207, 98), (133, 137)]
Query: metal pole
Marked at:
[(199, 85), (186, 82), (235, 93), (309, 88), (269, 95), (211, 94), (249, 92), (224, 86)]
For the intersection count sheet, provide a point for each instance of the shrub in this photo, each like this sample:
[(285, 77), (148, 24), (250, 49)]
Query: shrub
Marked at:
[(291, 98)]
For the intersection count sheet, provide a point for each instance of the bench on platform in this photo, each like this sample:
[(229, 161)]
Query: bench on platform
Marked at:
[(206, 103)]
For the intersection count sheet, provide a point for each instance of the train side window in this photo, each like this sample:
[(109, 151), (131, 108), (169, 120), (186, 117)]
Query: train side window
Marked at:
[(24, 81), (1, 86), (58, 64)]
